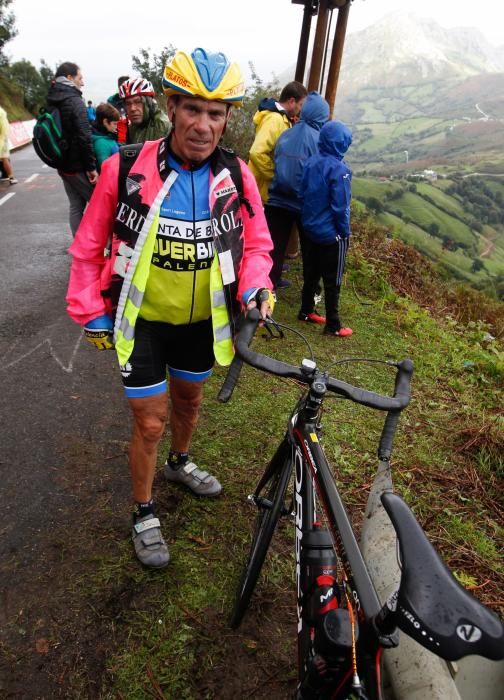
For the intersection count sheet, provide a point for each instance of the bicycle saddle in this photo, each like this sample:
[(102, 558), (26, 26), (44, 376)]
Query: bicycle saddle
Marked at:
[(431, 606)]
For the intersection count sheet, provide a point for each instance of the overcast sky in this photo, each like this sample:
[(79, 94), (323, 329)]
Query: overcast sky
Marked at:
[(101, 36)]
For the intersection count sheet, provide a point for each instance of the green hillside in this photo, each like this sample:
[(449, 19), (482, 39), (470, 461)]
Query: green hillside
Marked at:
[(456, 222), (434, 120)]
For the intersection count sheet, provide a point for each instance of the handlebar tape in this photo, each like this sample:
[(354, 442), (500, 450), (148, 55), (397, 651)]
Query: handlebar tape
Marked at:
[(402, 391), (246, 334), (230, 381)]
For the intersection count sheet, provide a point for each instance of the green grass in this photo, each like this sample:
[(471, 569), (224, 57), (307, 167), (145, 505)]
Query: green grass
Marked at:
[(443, 201), (424, 214)]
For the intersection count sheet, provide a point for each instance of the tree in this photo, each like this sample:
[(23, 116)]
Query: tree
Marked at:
[(240, 130), (477, 265), (34, 83), (152, 67), (7, 29), (374, 204)]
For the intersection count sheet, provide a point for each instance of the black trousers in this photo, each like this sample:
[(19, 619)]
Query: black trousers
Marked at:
[(280, 222), (328, 262)]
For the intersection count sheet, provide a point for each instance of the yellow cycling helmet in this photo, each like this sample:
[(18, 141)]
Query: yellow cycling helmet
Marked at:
[(204, 74)]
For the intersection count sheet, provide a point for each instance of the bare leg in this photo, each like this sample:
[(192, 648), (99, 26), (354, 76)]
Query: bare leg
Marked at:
[(186, 399), (149, 421)]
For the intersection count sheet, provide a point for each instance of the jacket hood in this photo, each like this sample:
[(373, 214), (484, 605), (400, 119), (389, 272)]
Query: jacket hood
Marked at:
[(315, 111), (268, 104), (335, 139)]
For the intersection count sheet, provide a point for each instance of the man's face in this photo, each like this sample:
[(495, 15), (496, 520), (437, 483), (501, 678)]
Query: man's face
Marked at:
[(77, 79), (134, 109), (293, 106), (198, 126)]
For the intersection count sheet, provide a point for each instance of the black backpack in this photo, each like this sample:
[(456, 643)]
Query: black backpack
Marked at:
[(48, 139)]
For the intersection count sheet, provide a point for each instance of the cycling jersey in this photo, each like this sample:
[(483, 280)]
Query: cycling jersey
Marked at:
[(183, 251)]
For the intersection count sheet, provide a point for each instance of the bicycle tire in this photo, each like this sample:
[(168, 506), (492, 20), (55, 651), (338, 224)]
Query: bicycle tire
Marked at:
[(266, 521)]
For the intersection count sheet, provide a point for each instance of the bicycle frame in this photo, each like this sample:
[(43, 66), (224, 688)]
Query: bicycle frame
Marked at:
[(312, 474)]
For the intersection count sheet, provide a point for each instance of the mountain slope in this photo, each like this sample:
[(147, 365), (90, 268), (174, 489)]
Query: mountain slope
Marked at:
[(403, 49)]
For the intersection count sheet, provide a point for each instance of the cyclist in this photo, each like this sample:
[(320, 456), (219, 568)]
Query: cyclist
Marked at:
[(146, 122), (173, 298)]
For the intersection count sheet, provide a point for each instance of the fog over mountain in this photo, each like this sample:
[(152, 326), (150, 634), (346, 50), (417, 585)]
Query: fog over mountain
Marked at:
[(405, 49)]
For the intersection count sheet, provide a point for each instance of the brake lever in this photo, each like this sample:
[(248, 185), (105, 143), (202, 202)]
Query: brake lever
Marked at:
[(268, 322)]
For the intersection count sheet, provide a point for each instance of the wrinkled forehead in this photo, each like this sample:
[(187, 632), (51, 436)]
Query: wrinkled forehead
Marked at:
[(201, 104), (133, 100)]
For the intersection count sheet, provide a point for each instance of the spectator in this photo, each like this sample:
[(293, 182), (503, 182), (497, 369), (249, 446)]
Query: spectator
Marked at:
[(79, 174), (271, 119), (293, 148), (8, 173), (91, 111), (116, 100), (325, 218), (146, 121), (173, 296), (105, 132)]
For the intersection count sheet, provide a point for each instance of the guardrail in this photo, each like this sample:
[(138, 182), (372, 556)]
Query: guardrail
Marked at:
[(20, 134)]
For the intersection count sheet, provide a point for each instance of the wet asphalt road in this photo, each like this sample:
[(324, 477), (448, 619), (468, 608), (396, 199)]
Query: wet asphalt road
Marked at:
[(58, 396)]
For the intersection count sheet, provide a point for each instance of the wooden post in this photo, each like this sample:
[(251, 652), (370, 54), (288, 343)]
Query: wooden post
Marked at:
[(336, 55), (303, 40), (318, 46)]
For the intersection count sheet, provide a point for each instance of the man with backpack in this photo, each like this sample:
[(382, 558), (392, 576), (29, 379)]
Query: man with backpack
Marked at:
[(77, 167), (189, 252)]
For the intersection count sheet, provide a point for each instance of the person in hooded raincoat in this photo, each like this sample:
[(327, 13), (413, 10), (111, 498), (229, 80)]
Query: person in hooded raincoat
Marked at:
[(293, 148), (325, 218)]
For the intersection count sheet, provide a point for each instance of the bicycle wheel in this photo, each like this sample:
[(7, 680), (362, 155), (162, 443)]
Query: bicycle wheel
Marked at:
[(270, 506)]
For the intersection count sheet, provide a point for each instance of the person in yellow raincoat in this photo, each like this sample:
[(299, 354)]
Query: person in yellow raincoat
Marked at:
[(272, 119)]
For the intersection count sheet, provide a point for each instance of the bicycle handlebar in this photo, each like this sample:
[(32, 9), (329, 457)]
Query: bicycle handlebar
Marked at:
[(282, 369)]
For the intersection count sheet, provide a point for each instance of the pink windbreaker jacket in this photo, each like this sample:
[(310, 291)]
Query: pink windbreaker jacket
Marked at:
[(92, 268)]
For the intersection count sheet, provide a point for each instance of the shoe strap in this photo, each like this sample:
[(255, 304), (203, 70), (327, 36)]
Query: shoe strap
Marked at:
[(188, 468), (144, 525), (192, 469)]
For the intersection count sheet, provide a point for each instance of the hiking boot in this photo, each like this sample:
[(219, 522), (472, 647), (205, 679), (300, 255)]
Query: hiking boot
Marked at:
[(341, 332), (311, 318), (199, 482), (148, 541)]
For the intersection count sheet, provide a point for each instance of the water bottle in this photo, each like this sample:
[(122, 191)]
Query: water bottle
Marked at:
[(319, 595), (318, 575)]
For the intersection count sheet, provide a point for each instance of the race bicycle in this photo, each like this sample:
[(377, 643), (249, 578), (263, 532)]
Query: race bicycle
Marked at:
[(342, 627)]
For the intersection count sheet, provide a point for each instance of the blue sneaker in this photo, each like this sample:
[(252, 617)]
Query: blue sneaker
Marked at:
[(282, 284)]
